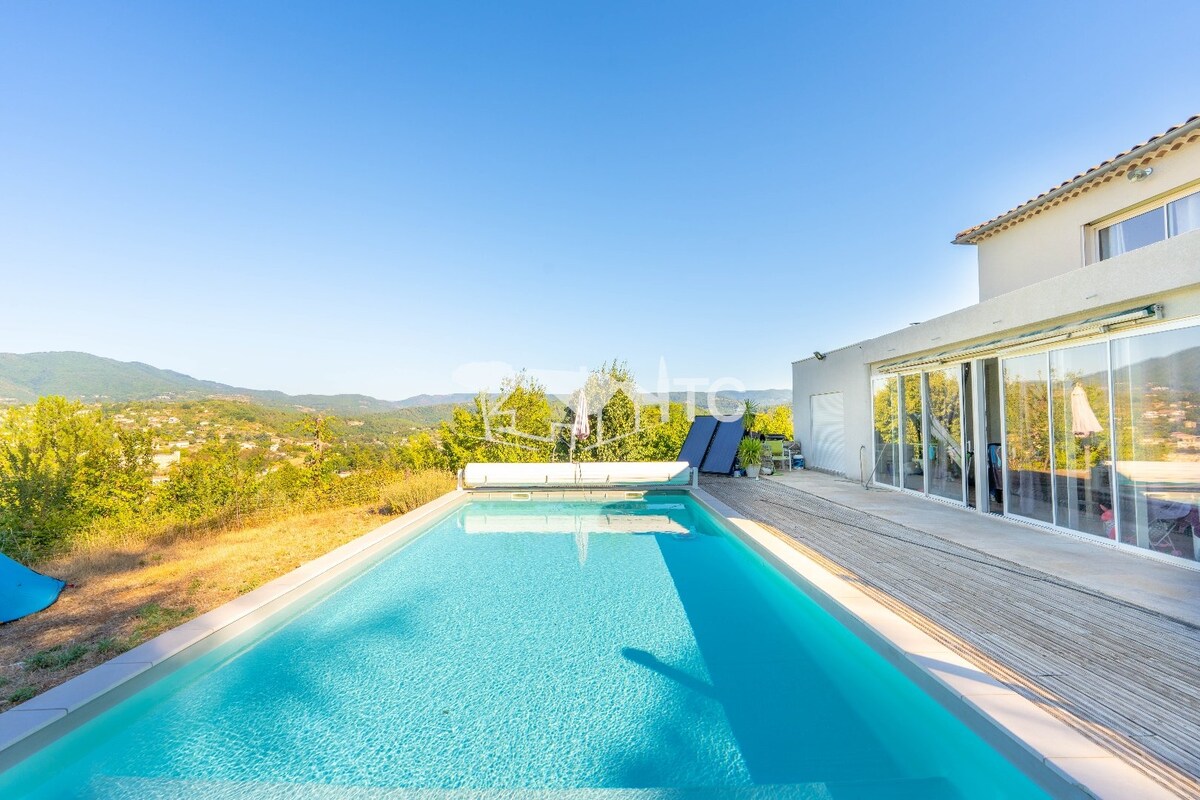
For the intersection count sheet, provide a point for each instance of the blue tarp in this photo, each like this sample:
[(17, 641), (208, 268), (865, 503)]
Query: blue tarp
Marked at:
[(23, 591)]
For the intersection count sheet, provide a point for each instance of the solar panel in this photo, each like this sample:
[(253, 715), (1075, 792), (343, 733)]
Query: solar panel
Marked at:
[(697, 441), (724, 447)]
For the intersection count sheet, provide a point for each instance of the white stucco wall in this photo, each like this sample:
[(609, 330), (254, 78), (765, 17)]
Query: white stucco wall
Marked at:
[(1167, 272), (841, 371), (1052, 242)]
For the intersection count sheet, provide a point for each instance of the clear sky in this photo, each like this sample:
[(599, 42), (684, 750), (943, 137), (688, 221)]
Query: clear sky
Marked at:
[(364, 197)]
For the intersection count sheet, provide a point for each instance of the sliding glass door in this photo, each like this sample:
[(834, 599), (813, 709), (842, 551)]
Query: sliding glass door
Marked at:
[(912, 441), (919, 432), (885, 411), (1101, 438), (1080, 427), (1027, 438), (1156, 394), (944, 460)]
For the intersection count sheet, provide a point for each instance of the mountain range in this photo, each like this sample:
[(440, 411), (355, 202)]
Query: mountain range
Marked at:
[(24, 377)]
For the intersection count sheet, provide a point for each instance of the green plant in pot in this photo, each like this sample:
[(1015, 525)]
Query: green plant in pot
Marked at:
[(750, 456)]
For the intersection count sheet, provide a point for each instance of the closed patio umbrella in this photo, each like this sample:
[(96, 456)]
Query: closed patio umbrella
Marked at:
[(1084, 425), (1083, 419), (581, 428)]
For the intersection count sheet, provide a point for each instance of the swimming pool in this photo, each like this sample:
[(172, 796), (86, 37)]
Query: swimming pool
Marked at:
[(545, 648)]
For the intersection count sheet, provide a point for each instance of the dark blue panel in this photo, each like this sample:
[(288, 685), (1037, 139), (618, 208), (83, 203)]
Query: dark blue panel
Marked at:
[(697, 441), (724, 447)]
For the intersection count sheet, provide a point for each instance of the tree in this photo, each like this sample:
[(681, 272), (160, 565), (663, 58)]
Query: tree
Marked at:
[(750, 413), (515, 426), (321, 429), (775, 421), (63, 465), (219, 478), (614, 407), (422, 452)]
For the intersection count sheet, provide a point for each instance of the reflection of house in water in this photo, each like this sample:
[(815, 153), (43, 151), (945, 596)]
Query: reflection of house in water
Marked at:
[(1069, 395)]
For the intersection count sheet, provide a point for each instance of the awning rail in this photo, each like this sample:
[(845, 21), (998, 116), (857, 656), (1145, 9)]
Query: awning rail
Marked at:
[(1062, 332)]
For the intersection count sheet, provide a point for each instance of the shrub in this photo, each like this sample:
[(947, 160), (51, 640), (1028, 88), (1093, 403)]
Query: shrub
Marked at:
[(417, 489), (22, 694), (57, 657)]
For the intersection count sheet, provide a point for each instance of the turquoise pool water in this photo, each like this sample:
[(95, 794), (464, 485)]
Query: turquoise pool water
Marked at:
[(536, 649)]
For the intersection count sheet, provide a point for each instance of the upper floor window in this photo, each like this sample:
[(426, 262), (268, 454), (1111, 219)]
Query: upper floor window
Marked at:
[(1178, 216)]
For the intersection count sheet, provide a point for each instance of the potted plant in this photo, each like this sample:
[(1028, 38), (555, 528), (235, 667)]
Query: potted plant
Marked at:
[(750, 455)]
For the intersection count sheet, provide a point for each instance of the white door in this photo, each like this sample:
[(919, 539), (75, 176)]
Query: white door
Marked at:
[(827, 445)]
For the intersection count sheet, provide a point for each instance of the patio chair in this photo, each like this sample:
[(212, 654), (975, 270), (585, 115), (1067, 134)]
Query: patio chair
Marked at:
[(1169, 519), (780, 456)]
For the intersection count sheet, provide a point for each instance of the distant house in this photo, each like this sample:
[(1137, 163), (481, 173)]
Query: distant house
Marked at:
[(162, 461), (1056, 399)]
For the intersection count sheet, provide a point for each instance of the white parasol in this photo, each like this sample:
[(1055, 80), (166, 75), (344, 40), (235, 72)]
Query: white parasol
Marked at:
[(1083, 419)]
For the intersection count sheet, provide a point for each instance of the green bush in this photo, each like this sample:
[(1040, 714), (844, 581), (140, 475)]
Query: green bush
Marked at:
[(22, 694), (57, 657), (403, 496)]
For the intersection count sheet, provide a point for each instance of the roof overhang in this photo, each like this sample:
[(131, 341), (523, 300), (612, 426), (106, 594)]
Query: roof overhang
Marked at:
[(1158, 146)]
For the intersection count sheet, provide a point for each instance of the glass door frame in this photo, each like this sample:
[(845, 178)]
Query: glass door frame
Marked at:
[(957, 368), (979, 387), (902, 431), (964, 386), (1007, 494), (901, 413)]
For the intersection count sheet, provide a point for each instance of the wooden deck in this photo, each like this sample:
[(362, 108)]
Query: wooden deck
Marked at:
[(1125, 676)]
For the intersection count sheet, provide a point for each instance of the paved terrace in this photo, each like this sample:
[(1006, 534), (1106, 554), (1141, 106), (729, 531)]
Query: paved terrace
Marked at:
[(1105, 640)]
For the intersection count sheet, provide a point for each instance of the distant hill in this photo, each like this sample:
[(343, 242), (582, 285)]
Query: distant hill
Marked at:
[(417, 400), (94, 379), (82, 376)]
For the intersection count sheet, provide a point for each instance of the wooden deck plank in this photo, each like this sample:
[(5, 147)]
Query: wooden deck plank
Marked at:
[(1125, 676)]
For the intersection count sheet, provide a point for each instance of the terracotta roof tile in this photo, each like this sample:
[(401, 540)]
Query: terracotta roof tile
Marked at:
[(1156, 146)]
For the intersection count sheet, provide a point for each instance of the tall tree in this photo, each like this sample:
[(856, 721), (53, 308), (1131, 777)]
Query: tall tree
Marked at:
[(61, 465)]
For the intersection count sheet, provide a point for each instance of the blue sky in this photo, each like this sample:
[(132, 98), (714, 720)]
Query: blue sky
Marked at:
[(358, 197)]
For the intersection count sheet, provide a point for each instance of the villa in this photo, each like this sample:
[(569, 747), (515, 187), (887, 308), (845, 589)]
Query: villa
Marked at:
[(1069, 395), (632, 631)]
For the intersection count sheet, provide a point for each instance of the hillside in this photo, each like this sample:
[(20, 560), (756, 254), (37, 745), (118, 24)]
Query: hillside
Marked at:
[(81, 376), (94, 379)]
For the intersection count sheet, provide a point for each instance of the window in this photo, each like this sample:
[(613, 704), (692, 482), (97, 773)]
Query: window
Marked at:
[(1183, 215), (912, 434), (1027, 450), (1178, 216), (1156, 397), (885, 403), (1080, 424), (945, 457)]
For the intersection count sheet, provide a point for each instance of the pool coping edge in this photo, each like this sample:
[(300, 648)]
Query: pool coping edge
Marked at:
[(991, 709), (66, 702)]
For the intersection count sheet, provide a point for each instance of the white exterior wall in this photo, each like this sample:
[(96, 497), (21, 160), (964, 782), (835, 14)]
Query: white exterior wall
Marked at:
[(1167, 272), (1052, 243), (841, 371)]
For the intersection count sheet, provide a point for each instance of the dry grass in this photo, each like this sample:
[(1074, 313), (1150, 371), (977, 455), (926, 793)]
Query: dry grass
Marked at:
[(120, 596)]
